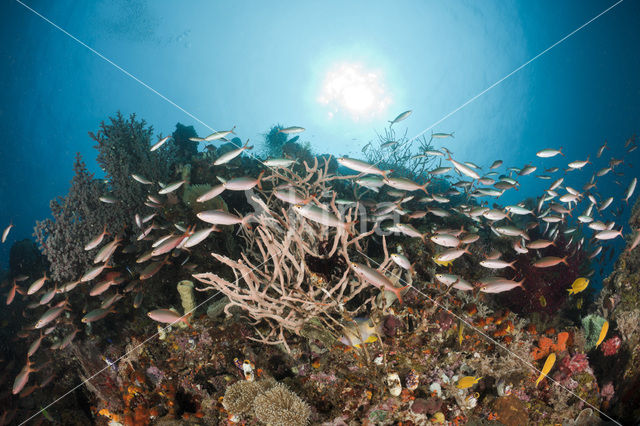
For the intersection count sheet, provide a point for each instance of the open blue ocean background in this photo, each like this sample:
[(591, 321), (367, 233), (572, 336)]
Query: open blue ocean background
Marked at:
[(254, 64)]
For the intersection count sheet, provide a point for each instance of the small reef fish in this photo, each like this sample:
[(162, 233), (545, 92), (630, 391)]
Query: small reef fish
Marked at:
[(96, 315), (579, 164), (95, 242), (22, 378), (442, 262), (442, 135), (243, 183), (548, 364), (549, 261), (292, 130), (608, 234), (464, 169), (467, 381), (107, 199), (212, 193), (401, 261), (159, 144), (141, 179), (548, 153), (322, 216), (603, 332), (498, 264), (498, 285), (228, 156), (361, 166), (601, 150), (628, 194), (5, 233), (199, 236), (168, 316), (400, 117), (171, 187), (578, 285), (218, 135), (49, 316), (496, 164), (363, 331), (405, 184), (220, 217), (37, 284), (278, 162), (378, 280)]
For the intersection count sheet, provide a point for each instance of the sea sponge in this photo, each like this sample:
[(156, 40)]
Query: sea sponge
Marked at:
[(185, 288), (592, 324), (279, 406)]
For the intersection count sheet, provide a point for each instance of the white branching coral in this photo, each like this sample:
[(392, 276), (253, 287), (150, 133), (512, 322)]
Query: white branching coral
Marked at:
[(277, 279)]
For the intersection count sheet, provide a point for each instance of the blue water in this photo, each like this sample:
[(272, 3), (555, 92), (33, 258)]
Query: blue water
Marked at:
[(257, 64)]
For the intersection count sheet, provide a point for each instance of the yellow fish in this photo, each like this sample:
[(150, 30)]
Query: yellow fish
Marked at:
[(578, 285), (579, 303), (543, 301), (551, 359), (443, 263), (603, 332), (467, 382), (460, 327)]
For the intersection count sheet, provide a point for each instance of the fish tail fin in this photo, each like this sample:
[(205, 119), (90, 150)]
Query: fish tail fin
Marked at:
[(564, 260), (245, 221), (386, 172), (511, 265), (452, 134), (398, 292), (259, 180), (232, 130), (560, 151), (570, 290)]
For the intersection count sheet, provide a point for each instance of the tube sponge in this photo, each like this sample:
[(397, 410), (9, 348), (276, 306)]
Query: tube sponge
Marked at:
[(185, 288)]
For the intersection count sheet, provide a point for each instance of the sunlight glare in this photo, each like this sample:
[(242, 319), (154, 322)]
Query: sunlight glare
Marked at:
[(350, 89)]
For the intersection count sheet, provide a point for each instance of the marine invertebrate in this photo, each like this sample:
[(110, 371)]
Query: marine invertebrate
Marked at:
[(187, 298), (280, 286), (238, 397), (611, 346), (77, 218), (279, 406)]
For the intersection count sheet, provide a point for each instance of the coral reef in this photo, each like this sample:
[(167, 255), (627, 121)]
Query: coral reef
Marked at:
[(279, 406), (77, 218)]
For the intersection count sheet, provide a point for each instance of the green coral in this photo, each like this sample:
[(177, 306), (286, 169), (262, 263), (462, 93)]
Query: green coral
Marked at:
[(592, 324)]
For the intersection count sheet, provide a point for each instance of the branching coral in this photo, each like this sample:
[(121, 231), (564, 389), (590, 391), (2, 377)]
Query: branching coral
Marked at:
[(275, 280), (77, 218)]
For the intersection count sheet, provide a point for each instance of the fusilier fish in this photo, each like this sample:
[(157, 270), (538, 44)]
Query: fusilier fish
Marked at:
[(5, 233), (171, 187), (378, 280), (218, 135), (167, 316), (228, 156), (548, 153), (159, 143), (292, 130), (220, 217), (361, 166), (400, 117)]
